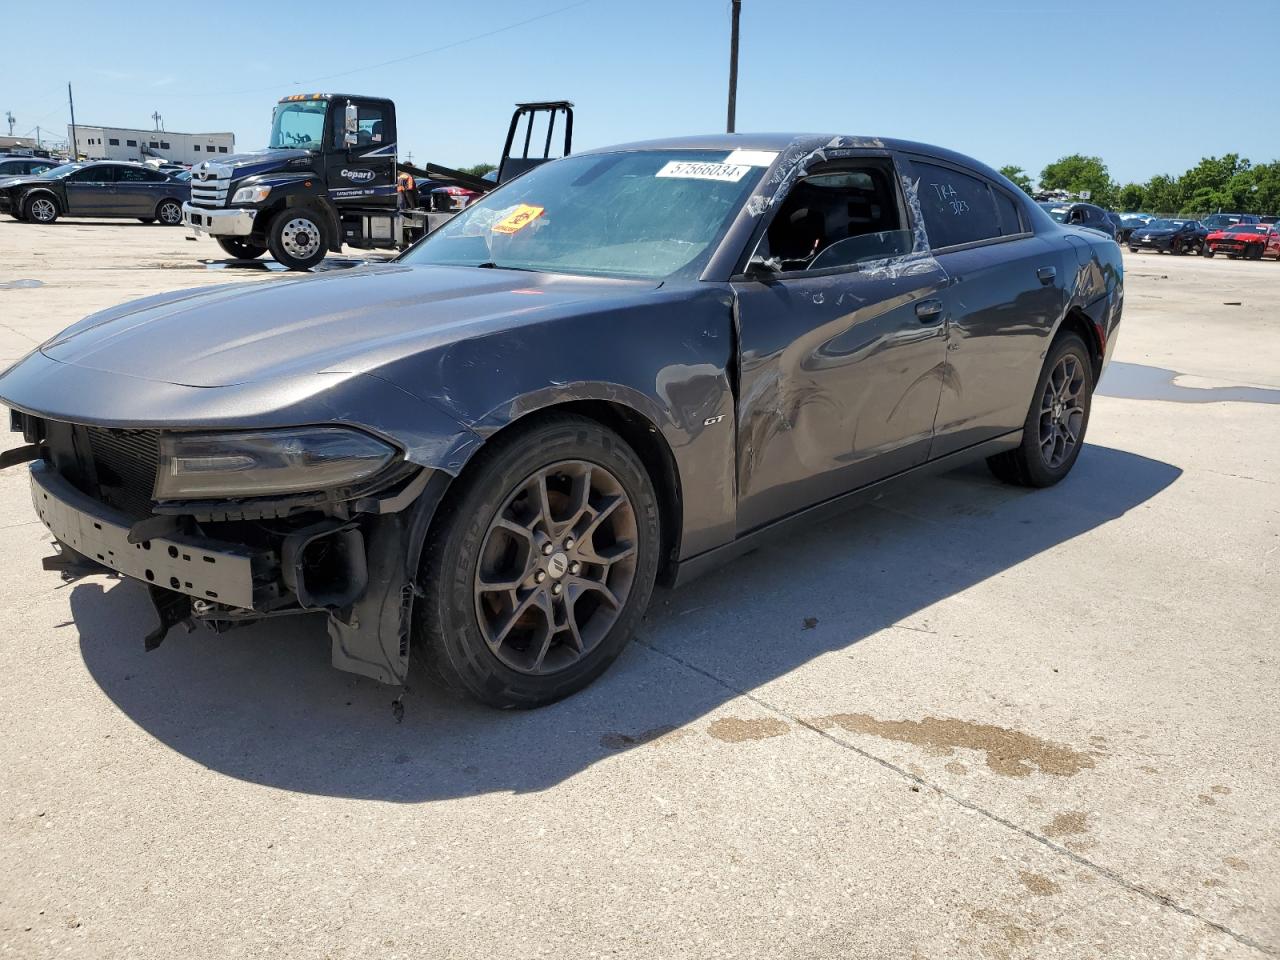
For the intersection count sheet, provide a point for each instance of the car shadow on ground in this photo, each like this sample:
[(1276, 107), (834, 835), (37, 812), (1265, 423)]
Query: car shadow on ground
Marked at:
[(262, 703)]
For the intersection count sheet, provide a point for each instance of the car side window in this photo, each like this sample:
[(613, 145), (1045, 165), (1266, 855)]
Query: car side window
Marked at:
[(138, 175), (1007, 210), (103, 174), (369, 126), (958, 208), (839, 216)]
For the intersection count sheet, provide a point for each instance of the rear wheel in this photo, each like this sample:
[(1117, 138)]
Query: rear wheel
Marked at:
[(40, 209), (542, 567), (169, 213), (296, 239), (241, 249), (1053, 432)]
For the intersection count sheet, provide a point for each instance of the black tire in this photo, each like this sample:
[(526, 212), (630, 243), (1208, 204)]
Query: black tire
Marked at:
[(1027, 465), (169, 213), (241, 249), (42, 204), (1255, 251), (1133, 249), (1177, 249), (297, 239), (1207, 251), (447, 624), (146, 219)]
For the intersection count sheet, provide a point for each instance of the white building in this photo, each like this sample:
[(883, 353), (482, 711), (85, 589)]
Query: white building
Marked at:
[(120, 143)]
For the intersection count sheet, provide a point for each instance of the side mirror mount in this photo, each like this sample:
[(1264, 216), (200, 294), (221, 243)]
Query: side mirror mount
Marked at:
[(350, 124), (763, 268)]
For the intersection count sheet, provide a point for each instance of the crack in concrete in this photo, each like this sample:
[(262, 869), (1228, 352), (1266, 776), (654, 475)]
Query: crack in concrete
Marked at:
[(1132, 886)]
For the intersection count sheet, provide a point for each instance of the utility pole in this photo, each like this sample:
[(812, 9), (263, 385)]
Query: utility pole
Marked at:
[(157, 118), (75, 153), (37, 136), (8, 115), (733, 67)]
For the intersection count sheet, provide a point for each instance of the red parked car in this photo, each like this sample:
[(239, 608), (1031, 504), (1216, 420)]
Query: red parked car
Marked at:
[(1251, 240)]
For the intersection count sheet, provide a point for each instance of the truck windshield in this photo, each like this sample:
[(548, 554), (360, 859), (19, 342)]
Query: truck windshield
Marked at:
[(298, 123), (647, 214)]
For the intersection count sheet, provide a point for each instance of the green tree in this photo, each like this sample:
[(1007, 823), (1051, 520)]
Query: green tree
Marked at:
[(1164, 194), (1019, 177), (1132, 196), (1078, 174), (479, 170)]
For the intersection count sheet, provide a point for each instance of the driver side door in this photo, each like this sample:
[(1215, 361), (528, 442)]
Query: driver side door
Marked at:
[(842, 347), (90, 190)]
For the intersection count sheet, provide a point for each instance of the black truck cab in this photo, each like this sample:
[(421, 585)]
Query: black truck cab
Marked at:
[(329, 176)]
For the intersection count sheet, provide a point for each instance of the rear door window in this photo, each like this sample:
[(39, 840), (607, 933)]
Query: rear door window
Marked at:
[(958, 208), (1007, 210)]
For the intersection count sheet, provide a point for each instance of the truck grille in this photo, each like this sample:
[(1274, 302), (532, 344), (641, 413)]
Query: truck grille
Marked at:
[(210, 193), (125, 462), (209, 184)]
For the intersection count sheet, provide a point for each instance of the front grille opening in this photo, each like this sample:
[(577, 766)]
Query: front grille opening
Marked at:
[(124, 465)]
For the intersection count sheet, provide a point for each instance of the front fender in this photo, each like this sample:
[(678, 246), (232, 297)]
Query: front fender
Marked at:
[(667, 357)]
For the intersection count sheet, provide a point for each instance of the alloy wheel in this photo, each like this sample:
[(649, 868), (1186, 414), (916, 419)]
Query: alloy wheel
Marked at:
[(300, 238), (556, 567), (170, 214), (43, 210), (1061, 412)]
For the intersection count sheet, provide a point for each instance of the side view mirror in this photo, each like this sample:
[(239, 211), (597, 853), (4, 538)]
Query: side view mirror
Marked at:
[(350, 124)]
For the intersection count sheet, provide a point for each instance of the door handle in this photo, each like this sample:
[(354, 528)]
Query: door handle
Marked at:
[(1047, 275), (929, 310)]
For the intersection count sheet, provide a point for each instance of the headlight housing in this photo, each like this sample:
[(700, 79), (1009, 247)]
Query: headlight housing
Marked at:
[(267, 462), (254, 194)]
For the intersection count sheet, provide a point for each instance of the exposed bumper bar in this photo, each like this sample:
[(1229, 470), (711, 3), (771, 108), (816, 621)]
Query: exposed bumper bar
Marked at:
[(234, 222), (194, 566)]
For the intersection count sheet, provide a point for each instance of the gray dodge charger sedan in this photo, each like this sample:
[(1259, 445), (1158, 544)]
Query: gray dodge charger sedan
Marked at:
[(621, 368)]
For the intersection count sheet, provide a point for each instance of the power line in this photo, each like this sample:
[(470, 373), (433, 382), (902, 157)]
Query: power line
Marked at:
[(385, 63)]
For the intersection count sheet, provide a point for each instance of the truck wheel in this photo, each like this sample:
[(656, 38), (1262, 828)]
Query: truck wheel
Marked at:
[(542, 567), (297, 239), (40, 209), (1054, 429), (169, 213), (241, 249)]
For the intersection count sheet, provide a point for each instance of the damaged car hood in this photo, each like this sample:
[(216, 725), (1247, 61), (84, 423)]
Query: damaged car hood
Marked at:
[(348, 322)]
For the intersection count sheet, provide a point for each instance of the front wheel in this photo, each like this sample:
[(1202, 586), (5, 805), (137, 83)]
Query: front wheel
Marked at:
[(1207, 251), (542, 564), (296, 239), (40, 209), (169, 213), (241, 249), (1055, 426), (1133, 249), (1255, 251)]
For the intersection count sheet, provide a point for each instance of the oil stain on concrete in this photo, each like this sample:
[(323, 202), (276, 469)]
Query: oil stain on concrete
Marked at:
[(737, 730), (1067, 824), (1009, 752), (1040, 886)]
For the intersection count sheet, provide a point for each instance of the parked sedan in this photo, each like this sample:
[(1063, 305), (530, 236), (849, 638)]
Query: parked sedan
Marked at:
[(1086, 215), (100, 189), (1169, 236), (24, 166), (1252, 241), (1220, 221), (627, 365)]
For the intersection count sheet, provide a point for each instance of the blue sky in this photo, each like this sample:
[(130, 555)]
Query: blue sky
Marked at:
[(1007, 82)]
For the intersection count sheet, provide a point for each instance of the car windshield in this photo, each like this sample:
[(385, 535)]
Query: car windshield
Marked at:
[(649, 214), (61, 171), (1165, 224), (298, 123)]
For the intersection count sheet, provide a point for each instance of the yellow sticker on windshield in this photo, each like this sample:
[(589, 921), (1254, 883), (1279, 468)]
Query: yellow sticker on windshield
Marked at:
[(518, 219)]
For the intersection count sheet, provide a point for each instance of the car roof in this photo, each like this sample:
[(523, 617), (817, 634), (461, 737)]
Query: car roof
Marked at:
[(780, 142)]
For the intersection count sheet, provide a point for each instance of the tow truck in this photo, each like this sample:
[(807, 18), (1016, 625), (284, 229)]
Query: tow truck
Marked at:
[(330, 176)]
